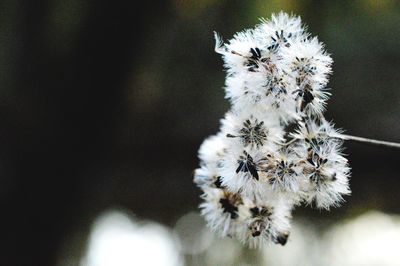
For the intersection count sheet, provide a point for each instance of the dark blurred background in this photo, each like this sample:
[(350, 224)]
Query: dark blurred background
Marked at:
[(104, 104)]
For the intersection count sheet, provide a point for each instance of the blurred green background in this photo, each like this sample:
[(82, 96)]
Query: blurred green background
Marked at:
[(103, 105)]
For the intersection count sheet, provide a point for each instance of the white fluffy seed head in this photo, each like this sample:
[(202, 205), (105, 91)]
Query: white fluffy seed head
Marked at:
[(265, 222), (220, 209), (256, 169), (327, 173)]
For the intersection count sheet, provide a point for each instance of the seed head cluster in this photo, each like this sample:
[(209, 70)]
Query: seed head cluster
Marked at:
[(275, 150)]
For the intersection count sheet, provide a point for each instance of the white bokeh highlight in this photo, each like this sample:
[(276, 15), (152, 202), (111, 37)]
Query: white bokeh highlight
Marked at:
[(118, 240)]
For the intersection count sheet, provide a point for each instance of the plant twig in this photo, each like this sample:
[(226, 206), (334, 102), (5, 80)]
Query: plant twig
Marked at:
[(358, 139), (368, 141)]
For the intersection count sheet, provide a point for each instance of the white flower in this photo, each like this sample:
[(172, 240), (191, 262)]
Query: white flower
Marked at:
[(211, 154), (264, 223), (283, 171), (313, 131), (279, 31), (252, 130), (220, 209), (212, 149), (240, 54), (256, 169), (327, 173), (310, 65), (243, 171)]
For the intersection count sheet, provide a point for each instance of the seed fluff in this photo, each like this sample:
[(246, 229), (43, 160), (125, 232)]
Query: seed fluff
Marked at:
[(275, 150)]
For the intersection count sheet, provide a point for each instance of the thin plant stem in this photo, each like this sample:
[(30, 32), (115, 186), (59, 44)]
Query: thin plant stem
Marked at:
[(358, 139), (369, 141)]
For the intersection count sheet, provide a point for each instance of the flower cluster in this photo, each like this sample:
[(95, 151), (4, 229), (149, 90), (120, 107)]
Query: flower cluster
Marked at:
[(274, 150)]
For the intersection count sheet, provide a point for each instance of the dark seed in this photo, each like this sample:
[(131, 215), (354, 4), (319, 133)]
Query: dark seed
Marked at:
[(229, 208), (282, 239), (254, 211), (218, 182)]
